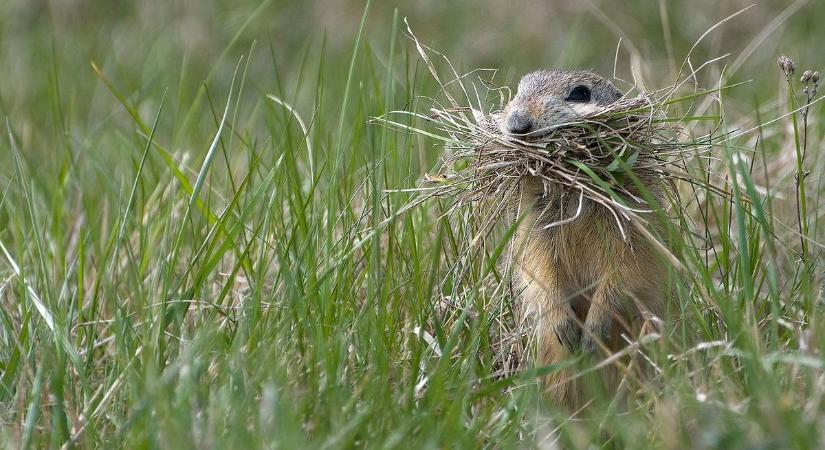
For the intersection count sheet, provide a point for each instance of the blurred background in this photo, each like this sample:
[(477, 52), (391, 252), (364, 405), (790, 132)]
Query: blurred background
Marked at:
[(145, 46), (81, 82)]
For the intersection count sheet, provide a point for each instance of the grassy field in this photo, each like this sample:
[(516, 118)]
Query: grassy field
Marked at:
[(204, 242)]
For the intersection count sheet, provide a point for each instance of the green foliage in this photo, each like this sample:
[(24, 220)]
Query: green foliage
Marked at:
[(181, 266)]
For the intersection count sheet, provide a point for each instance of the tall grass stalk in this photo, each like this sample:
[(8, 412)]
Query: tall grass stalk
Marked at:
[(232, 256)]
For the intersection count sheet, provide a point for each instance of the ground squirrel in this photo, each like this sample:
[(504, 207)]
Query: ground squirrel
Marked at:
[(582, 283)]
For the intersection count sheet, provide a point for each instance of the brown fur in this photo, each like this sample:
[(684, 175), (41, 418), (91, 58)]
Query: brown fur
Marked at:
[(581, 282)]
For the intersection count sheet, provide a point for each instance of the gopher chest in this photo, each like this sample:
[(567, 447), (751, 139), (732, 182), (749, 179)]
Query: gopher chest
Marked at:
[(575, 255), (569, 241)]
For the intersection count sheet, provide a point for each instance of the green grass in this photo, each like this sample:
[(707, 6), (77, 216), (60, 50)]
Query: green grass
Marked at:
[(181, 267)]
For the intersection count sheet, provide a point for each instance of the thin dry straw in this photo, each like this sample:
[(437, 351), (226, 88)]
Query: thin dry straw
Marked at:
[(575, 156), (589, 158)]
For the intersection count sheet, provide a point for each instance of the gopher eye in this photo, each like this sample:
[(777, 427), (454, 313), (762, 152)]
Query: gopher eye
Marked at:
[(579, 94)]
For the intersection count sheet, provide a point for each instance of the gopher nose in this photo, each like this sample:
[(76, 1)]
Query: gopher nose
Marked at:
[(518, 122)]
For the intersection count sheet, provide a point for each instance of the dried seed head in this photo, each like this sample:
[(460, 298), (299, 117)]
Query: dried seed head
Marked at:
[(815, 77), (806, 77), (786, 64)]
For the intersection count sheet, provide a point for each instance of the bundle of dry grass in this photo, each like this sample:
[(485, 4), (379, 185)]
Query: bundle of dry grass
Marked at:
[(609, 156), (601, 157)]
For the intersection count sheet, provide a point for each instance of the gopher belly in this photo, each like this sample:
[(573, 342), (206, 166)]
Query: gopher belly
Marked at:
[(581, 283)]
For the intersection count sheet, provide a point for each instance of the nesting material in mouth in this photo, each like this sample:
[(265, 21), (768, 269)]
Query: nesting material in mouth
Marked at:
[(610, 156), (607, 157)]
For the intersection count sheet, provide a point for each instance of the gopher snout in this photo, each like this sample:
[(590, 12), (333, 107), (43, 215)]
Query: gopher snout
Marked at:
[(518, 122)]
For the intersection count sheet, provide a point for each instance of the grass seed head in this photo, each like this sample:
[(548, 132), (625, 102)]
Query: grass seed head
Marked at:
[(787, 65)]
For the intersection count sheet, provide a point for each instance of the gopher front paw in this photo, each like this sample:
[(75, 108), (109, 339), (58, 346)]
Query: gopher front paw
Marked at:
[(596, 331), (569, 334)]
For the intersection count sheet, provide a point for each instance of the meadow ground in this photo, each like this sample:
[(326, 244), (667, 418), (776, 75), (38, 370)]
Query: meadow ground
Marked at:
[(204, 241)]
